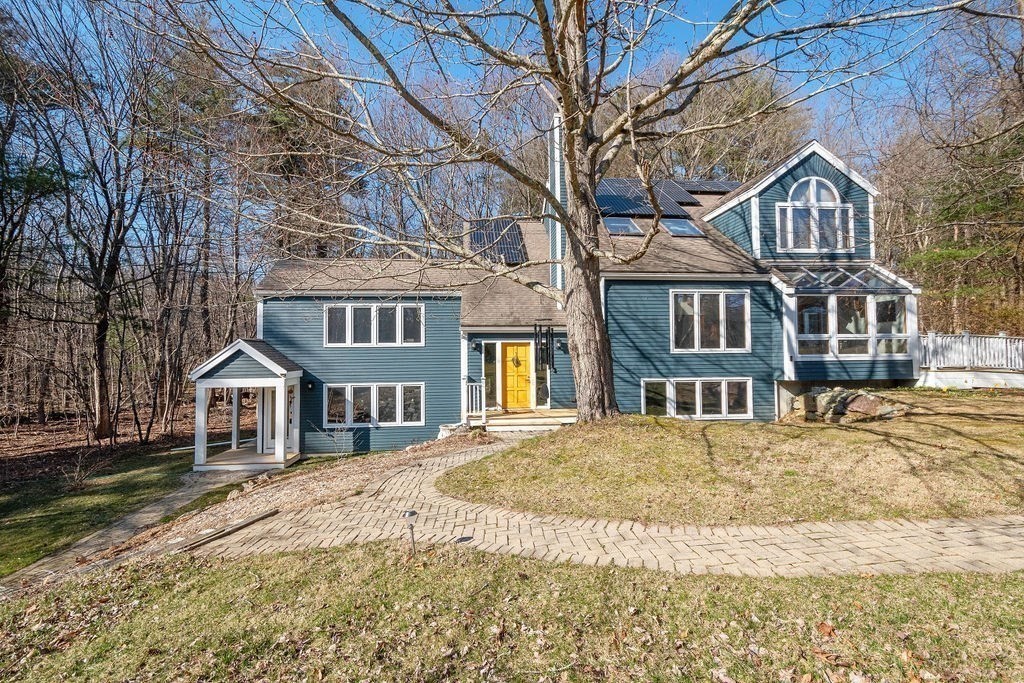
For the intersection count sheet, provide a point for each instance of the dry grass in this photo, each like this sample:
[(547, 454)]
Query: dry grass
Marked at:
[(368, 613), (956, 456)]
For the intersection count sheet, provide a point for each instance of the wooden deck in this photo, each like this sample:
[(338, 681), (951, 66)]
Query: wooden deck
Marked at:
[(525, 420), (244, 459)]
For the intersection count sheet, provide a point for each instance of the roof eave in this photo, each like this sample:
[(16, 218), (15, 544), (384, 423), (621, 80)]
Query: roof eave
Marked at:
[(770, 176)]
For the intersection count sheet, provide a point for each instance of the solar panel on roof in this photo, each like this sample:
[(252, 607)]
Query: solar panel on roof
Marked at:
[(629, 197), (499, 239)]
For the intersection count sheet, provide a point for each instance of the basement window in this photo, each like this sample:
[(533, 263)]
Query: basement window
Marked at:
[(697, 399), (377, 405)]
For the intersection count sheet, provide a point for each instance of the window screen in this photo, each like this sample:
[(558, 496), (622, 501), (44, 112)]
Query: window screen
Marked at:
[(336, 333), (412, 403)]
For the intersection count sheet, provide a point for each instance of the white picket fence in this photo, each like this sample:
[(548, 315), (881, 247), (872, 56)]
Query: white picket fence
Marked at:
[(972, 351)]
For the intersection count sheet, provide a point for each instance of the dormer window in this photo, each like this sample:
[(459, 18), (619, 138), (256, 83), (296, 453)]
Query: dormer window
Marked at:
[(814, 220)]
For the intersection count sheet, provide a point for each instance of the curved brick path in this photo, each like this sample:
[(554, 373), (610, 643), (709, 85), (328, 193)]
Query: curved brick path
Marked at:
[(994, 544)]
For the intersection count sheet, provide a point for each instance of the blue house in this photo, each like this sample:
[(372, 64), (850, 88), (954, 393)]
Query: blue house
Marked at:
[(747, 296)]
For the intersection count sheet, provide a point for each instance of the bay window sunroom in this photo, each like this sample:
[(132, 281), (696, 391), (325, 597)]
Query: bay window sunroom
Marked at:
[(841, 314)]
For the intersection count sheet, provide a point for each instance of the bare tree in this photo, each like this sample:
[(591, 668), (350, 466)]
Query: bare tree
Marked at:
[(951, 169)]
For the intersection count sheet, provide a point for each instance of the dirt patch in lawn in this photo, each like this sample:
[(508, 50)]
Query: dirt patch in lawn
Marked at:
[(955, 455)]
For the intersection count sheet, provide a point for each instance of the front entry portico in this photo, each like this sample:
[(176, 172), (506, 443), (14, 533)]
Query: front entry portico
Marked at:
[(251, 364)]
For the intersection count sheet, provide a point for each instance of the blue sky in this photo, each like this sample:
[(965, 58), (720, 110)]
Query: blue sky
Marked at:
[(885, 44)]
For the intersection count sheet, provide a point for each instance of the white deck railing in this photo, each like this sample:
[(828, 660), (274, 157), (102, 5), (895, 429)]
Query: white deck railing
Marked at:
[(475, 401), (971, 351)]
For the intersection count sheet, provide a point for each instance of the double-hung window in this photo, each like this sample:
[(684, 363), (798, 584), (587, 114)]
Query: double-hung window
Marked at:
[(373, 325), (703, 321), (814, 220), (385, 404), (851, 325), (697, 398)]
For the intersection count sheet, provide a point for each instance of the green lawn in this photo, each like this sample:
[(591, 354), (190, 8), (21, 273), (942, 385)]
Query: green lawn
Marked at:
[(958, 455), (41, 516), (368, 613)]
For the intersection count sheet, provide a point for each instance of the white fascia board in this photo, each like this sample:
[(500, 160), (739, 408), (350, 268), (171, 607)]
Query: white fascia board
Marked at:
[(240, 345), (902, 282), (689, 277), (755, 227), (524, 329), (781, 285), (390, 294), (813, 147)]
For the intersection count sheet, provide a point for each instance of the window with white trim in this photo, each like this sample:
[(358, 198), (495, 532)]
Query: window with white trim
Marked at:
[(708, 321), (814, 220), (725, 398), (373, 325), (378, 405), (852, 325)]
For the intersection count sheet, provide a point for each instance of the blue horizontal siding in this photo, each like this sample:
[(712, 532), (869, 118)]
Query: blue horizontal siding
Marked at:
[(849, 192), (239, 366), (735, 224), (294, 325), (878, 369), (562, 384), (638, 324)]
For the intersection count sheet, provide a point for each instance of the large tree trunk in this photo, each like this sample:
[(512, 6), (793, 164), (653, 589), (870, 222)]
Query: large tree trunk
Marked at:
[(589, 346), (102, 425), (204, 273)]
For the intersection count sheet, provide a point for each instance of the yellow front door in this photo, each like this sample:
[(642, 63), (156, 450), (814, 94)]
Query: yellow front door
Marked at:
[(515, 362)]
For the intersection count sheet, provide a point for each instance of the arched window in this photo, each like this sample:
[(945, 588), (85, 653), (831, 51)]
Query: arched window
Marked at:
[(814, 219)]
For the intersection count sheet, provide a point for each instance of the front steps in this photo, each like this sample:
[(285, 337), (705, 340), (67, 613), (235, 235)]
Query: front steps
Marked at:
[(525, 421)]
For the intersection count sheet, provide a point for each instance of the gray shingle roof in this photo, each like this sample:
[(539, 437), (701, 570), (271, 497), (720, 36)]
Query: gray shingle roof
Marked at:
[(351, 276), (712, 253), (273, 354), (708, 186), (489, 301)]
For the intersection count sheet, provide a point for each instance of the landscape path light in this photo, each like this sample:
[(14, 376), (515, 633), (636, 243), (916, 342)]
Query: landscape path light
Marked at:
[(411, 516)]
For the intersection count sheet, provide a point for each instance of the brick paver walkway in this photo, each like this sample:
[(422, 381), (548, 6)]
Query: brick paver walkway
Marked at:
[(994, 544)]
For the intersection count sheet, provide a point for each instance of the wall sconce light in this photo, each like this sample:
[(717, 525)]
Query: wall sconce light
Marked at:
[(478, 346), (309, 385), (560, 344)]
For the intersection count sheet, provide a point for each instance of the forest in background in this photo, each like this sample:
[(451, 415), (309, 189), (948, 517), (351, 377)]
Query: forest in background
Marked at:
[(142, 191)]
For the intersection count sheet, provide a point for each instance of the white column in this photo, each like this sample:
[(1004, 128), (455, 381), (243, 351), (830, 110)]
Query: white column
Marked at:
[(236, 394), (201, 395), (293, 426), (789, 343), (261, 422), (281, 419)]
